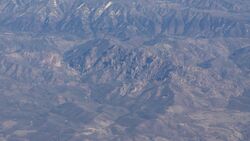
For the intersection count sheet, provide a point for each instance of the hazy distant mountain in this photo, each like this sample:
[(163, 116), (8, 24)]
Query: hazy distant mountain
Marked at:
[(99, 70), (125, 19)]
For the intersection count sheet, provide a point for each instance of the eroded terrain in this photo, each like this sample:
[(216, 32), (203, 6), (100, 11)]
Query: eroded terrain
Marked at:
[(124, 71)]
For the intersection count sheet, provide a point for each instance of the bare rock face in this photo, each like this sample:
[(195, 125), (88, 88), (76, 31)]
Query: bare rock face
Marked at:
[(99, 70)]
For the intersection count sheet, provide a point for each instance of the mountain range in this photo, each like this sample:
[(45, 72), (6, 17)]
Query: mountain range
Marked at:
[(115, 70)]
